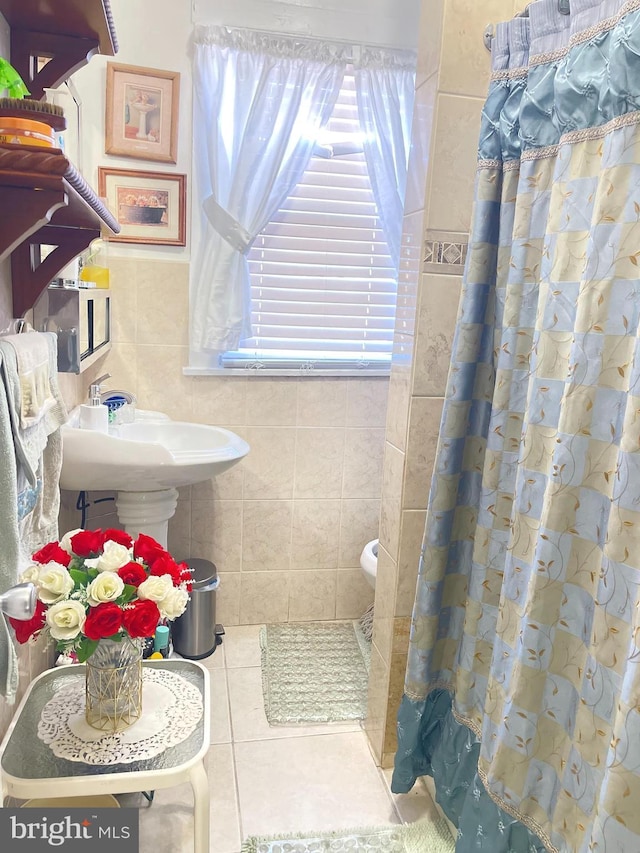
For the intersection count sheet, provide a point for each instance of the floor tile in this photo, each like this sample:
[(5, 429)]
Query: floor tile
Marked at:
[(298, 784), (242, 646), (220, 723), (249, 721), (225, 817)]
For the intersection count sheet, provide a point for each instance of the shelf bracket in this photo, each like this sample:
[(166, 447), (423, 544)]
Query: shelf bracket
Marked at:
[(66, 54), (30, 276), (23, 212)]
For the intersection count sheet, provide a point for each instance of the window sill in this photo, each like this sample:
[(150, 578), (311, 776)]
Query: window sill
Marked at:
[(299, 372)]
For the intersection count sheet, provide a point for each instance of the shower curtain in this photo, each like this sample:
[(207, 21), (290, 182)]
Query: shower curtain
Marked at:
[(522, 693)]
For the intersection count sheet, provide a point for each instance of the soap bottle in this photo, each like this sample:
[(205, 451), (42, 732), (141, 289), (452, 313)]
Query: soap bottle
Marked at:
[(161, 641), (94, 414)]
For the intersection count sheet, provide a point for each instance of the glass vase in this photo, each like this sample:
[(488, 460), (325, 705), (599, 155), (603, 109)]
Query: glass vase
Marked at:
[(114, 685)]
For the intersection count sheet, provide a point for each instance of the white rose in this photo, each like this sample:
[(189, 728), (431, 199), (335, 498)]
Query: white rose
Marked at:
[(30, 575), (155, 588), (65, 542), (174, 603), (106, 587), (54, 583), (66, 619), (114, 556)]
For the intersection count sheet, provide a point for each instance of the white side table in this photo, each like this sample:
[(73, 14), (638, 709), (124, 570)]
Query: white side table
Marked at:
[(30, 769)]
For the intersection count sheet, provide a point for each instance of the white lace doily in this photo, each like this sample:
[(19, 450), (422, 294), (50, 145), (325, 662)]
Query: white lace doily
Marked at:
[(171, 709)]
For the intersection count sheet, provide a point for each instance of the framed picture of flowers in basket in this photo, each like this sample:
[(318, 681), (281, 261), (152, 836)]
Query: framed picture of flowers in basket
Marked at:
[(150, 206)]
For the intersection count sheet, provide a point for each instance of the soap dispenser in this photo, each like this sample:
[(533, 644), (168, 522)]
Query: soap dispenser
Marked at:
[(94, 414)]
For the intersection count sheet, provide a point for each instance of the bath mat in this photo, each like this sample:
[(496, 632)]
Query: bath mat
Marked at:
[(314, 672), (421, 837)]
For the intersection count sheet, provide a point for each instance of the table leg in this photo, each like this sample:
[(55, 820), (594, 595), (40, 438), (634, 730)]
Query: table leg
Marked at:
[(200, 786)]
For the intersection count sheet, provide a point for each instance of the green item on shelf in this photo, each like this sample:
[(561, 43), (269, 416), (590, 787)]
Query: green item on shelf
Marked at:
[(11, 81)]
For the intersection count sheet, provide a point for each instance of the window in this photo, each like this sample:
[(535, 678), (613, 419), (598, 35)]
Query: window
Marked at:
[(323, 284)]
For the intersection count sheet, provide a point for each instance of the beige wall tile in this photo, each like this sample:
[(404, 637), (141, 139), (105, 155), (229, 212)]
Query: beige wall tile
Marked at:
[(264, 597), (367, 401), (322, 402), (319, 462), (269, 466), (377, 699), (315, 535), (466, 63), (392, 482), (161, 385), (266, 535), (179, 535), (411, 535), (398, 409), (386, 582), (437, 312), (271, 401), (163, 290), (216, 533), (424, 427), (359, 523), (72, 389), (123, 283), (312, 596), (453, 162), (353, 595), (219, 400), (228, 599), (362, 474), (226, 486), (429, 39), (401, 631), (396, 688), (122, 363), (409, 273), (422, 129)]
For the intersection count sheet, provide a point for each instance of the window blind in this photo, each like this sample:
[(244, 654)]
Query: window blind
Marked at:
[(323, 285)]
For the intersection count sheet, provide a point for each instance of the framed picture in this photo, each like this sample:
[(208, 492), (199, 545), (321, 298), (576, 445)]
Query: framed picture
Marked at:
[(142, 112), (150, 206)]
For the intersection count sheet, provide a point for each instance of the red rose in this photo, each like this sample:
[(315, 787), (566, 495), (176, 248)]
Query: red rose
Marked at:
[(147, 548), (103, 621), (87, 543), (133, 574), (166, 565), (26, 628), (141, 618), (119, 536), (52, 552), (186, 575)]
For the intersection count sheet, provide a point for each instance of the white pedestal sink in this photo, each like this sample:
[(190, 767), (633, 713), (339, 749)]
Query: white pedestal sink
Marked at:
[(144, 462)]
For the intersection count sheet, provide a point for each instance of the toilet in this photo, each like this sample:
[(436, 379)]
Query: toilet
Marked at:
[(369, 561)]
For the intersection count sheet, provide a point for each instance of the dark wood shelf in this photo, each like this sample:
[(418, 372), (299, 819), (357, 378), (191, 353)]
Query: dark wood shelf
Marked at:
[(68, 32), (45, 201)]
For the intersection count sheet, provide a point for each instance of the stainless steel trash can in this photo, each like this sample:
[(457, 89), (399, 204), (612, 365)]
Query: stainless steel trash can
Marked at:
[(195, 634)]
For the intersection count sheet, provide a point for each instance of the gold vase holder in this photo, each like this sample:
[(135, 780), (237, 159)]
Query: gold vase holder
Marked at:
[(113, 695)]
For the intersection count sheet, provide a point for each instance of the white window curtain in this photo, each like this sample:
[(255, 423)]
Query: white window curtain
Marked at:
[(259, 103), (385, 88)]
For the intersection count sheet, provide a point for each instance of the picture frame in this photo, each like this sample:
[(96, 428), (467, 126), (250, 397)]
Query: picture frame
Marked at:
[(150, 206), (142, 112)]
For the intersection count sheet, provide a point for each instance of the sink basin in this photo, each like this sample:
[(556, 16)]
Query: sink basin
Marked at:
[(150, 454)]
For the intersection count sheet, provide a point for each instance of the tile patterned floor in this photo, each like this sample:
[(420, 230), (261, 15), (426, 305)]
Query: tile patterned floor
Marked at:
[(266, 780)]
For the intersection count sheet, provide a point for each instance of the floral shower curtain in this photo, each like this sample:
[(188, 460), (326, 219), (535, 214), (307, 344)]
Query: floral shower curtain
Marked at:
[(522, 694)]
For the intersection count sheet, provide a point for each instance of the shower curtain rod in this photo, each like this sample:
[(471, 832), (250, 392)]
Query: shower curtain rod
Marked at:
[(564, 8)]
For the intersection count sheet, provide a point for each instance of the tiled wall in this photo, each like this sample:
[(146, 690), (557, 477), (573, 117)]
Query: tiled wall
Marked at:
[(285, 527), (452, 81)]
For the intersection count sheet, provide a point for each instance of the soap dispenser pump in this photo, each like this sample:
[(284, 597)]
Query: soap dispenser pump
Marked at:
[(94, 414)]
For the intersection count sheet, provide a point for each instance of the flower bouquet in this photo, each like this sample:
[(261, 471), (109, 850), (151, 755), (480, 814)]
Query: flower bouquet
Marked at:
[(98, 594), (96, 585)]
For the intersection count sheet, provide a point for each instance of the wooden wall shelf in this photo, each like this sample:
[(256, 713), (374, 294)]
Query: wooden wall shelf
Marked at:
[(68, 32), (45, 201)]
